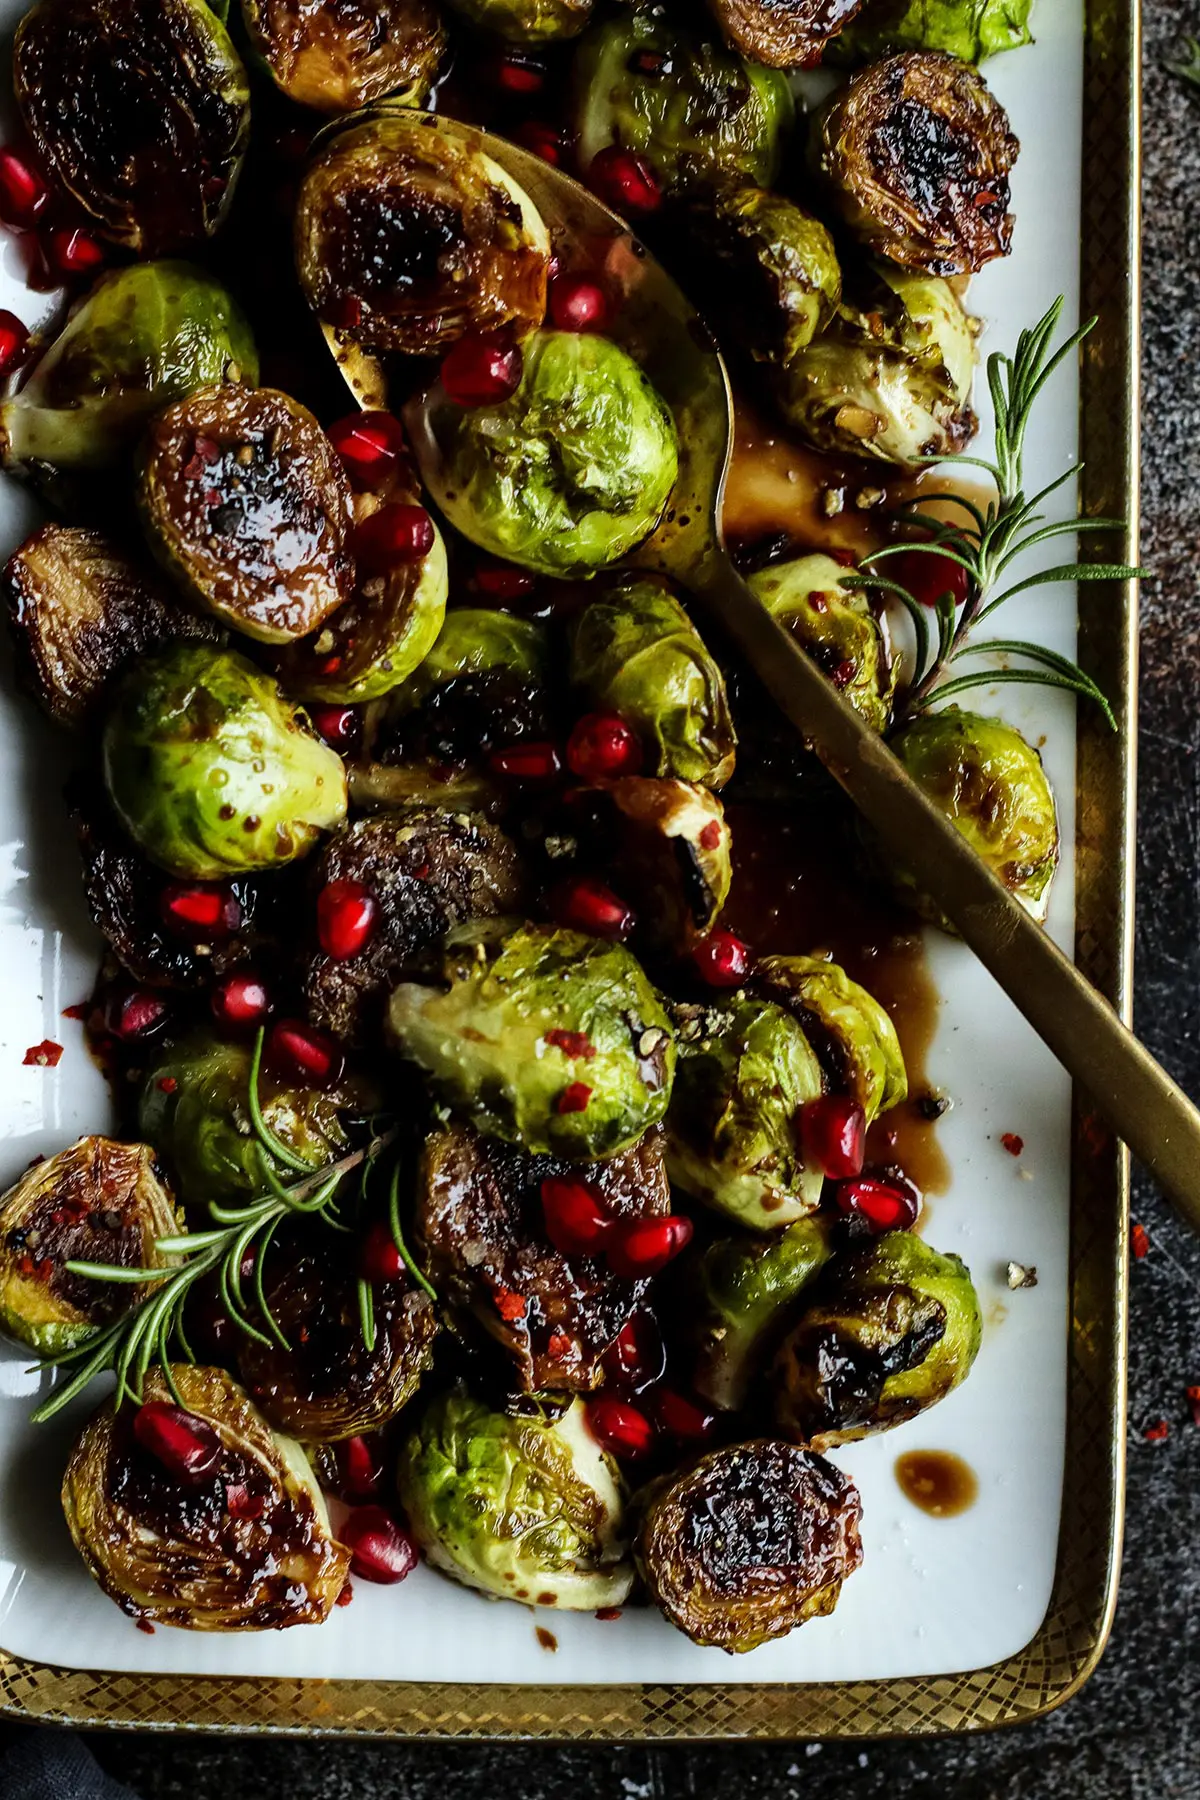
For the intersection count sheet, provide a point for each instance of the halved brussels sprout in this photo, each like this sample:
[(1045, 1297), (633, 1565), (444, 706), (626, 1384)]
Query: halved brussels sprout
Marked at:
[(893, 1328), (408, 237), (697, 112), (212, 771), (741, 1294), (98, 1201), (503, 1041), (342, 54), (748, 1543), (838, 629), (891, 377), (916, 151), (483, 684), (853, 1035), (384, 786), (673, 858), (182, 1553), (990, 781), (140, 110), (634, 651), (519, 1508), (527, 21), (971, 29), (143, 337), (246, 504), (745, 1068), (787, 34), (566, 476)]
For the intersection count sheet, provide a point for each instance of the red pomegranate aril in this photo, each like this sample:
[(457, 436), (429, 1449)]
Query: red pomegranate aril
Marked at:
[(586, 904), (379, 1259), (347, 915), (518, 74), (534, 761), (482, 371), (577, 303), (241, 1503), (371, 445), (199, 912), (625, 181), (601, 747), (14, 337), (637, 1356), (503, 581), (723, 960), (621, 1429), (833, 1135), (576, 1221), (241, 1001), (639, 1248), (24, 195), (928, 576), (543, 141), (394, 534), (134, 1013), (379, 1550), (882, 1206), (182, 1442), (73, 254), (304, 1053), (361, 1469), (338, 725), (680, 1417)]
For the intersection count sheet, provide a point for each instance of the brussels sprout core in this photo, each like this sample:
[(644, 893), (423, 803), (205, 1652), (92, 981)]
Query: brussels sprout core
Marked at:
[(343, 54), (836, 626)]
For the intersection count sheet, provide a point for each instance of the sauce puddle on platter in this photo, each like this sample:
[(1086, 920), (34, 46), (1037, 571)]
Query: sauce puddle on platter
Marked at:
[(938, 1482)]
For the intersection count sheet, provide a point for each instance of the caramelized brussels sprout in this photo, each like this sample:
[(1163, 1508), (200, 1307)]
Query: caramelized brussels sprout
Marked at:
[(211, 770), (384, 786), (786, 34), (893, 1328), (408, 237), (698, 113), (519, 1508), (483, 684), (98, 1201), (140, 110), (745, 1067), (143, 337), (990, 781), (916, 152), (748, 1543), (853, 1036), (742, 1293), (838, 629), (566, 476), (527, 21), (673, 858), (635, 652), (971, 29), (503, 1041), (341, 55), (172, 1552)]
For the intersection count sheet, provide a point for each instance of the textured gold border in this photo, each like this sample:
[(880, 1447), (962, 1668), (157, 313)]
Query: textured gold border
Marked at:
[(1072, 1638)]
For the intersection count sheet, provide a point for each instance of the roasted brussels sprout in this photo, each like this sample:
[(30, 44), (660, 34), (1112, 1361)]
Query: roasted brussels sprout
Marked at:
[(141, 338), (697, 112), (174, 1552), (341, 55), (544, 1038), (837, 627), (519, 1508), (566, 476), (891, 377), (853, 1036), (672, 858), (483, 684), (527, 21), (98, 1201), (742, 1293), (991, 782), (971, 29), (635, 652), (745, 1068), (749, 1543), (140, 110), (481, 1228), (786, 34), (893, 1328), (408, 236), (916, 152), (211, 770)]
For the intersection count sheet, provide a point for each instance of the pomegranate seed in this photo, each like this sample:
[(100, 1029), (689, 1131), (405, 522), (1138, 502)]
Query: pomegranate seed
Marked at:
[(576, 1221), (302, 1053), (526, 762), (181, 1441), (641, 1247), (134, 1013), (14, 336), (575, 1097), (338, 725), (200, 912), (361, 1468), (587, 905), (722, 959), (518, 74), (346, 918), (621, 1429), (344, 311), (72, 254), (601, 747), (241, 1503), (24, 195), (379, 1259), (394, 534), (371, 446), (637, 1356), (503, 582), (543, 140), (928, 576), (625, 181), (882, 1206), (240, 1001), (482, 371), (577, 303), (679, 1417), (833, 1134), (379, 1550)]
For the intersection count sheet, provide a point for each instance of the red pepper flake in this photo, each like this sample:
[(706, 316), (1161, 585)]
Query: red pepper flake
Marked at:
[(560, 1345), (1139, 1242), (80, 1010), (43, 1056), (146, 1626), (574, 1098), (1193, 1398), (1012, 1143), (710, 837), (207, 449), (608, 1612), (1154, 1434), (572, 1043), (509, 1305), (346, 1595), (212, 497), (241, 1503), (166, 1084)]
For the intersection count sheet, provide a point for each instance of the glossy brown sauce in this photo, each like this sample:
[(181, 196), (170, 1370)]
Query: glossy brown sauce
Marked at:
[(937, 1481)]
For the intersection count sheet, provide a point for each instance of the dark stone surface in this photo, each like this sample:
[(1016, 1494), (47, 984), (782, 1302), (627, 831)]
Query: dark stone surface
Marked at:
[(1131, 1734)]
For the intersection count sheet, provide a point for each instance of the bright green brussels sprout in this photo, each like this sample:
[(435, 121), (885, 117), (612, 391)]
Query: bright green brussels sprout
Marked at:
[(520, 1508), (501, 1040), (635, 652), (98, 1201), (991, 783), (672, 858), (742, 1292), (745, 1068), (143, 337), (566, 476), (971, 29), (527, 21), (338, 56), (838, 629), (852, 1034), (893, 1328), (697, 112), (787, 34), (211, 769)]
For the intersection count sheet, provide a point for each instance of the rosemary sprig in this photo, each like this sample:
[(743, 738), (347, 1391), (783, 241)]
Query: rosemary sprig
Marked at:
[(1188, 67)]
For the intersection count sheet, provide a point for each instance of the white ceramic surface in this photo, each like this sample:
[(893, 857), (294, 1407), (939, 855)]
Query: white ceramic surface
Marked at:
[(933, 1596)]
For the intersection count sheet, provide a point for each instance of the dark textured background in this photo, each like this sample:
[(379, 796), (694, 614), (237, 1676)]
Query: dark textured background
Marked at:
[(1132, 1734)]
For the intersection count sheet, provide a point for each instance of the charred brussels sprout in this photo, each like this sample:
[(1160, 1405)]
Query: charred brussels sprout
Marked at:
[(503, 1041), (787, 34), (697, 112), (408, 237), (519, 1508), (745, 1068), (142, 337), (672, 858), (481, 684), (176, 1553), (635, 652), (917, 151), (742, 1294), (140, 110), (98, 1201), (852, 1034), (527, 21), (748, 1543), (336, 57), (838, 629), (893, 1328), (971, 29), (985, 777), (212, 771), (568, 475)]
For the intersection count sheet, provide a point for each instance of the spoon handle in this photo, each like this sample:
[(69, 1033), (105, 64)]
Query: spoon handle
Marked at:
[(1148, 1110)]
